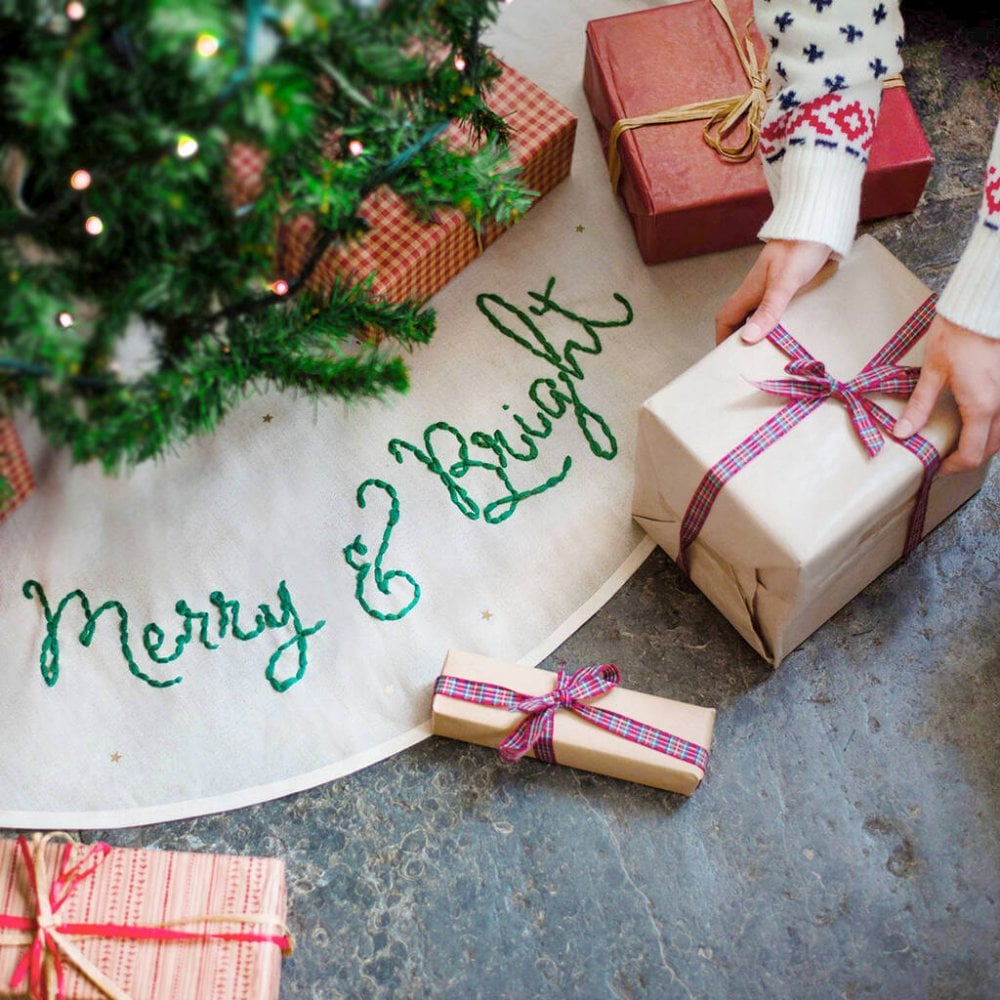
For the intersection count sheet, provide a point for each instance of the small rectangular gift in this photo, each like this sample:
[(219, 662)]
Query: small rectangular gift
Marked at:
[(88, 922), (14, 467), (412, 258), (769, 472), (582, 720), (683, 197)]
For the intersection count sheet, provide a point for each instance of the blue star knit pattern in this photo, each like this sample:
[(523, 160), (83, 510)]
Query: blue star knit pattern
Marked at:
[(829, 58)]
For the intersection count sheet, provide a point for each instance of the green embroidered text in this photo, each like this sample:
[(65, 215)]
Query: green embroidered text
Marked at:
[(357, 550), (194, 624), (445, 451)]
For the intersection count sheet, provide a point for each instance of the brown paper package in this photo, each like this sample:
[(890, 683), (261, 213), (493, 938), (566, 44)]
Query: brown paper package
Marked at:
[(578, 743), (808, 524)]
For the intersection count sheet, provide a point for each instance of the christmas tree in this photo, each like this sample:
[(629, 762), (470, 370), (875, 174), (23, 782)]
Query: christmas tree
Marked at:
[(142, 299)]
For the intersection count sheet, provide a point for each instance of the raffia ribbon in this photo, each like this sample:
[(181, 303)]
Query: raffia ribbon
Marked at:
[(49, 939), (723, 113)]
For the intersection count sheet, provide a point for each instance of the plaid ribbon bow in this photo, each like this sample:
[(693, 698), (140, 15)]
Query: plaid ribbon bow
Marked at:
[(812, 381), (810, 390), (572, 691)]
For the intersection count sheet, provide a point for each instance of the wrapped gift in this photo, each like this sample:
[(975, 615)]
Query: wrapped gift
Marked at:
[(411, 258), (770, 472), (582, 720), (684, 198), (87, 922), (15, 469)]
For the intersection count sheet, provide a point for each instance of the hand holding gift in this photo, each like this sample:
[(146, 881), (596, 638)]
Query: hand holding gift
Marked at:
[(816, 189), (968, 364), (772, 474)]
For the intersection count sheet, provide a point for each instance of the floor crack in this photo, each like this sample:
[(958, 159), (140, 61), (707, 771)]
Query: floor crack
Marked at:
[(647, 902)]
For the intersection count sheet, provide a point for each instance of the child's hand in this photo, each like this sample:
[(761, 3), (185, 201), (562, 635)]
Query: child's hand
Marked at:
[(756, 307), (968, 364)]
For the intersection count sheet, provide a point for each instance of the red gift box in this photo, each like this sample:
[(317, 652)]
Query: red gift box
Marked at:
[(87, 922), (412, 258), (14, 468), (683, 198)]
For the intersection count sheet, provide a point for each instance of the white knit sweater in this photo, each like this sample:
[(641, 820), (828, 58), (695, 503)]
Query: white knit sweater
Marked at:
[(828, 60)]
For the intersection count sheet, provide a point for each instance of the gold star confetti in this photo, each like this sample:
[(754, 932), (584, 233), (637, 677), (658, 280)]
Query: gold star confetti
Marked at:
[(267, 418), (116, 757), (487, 615), (580, 228)]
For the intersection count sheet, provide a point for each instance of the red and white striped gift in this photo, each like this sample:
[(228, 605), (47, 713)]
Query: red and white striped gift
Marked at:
[(90, 922)]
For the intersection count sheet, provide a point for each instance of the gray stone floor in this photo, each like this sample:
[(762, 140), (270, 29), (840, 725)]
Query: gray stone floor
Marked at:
[(845, 841)]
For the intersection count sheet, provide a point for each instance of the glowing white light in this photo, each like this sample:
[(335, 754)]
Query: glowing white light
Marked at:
[(64, 319), (187, 146), (355, 147), (280, 287), (206, 45), (94, 226), (79, 180), (75, 11), (459, 63)]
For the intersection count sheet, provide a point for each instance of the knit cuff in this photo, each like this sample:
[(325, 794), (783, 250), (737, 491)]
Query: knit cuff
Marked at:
[(971, 298), (817, 196)]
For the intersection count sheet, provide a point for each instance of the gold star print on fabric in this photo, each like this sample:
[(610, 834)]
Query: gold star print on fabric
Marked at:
[(267, 418), (487, 615), (580, 228), (116, 757)]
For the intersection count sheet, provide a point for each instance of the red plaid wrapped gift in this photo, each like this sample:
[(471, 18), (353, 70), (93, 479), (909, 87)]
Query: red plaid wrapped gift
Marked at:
[(583, 719), (783, 497), (92, 922), (15, 469), (412, 259)]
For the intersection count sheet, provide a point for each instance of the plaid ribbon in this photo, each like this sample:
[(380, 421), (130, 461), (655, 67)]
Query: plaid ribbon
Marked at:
[(809, 390), (572, 691)]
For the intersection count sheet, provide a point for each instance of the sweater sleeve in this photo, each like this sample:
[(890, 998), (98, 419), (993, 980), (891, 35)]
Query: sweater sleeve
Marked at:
[(828, 59), (972, 296)]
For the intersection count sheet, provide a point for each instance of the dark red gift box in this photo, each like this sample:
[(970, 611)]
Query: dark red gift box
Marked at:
[(683, 198)]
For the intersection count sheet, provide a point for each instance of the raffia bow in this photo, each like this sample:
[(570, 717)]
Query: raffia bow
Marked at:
[(724, 114), (50, 941)]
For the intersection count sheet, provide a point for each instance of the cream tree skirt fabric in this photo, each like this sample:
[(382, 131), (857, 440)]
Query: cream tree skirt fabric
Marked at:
[(267, 608)]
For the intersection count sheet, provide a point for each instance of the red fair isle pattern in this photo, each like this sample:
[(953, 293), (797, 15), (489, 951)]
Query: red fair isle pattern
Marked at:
[(14, 466), (880, 374), (535, 733), (990, 210), (411, 258), (828, 120)]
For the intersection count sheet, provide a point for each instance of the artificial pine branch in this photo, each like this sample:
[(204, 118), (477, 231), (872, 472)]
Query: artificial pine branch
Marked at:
[(149, 99)]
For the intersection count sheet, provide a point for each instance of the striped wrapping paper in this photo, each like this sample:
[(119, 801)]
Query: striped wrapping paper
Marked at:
[(412, 259), (14, 466), (147, 888)]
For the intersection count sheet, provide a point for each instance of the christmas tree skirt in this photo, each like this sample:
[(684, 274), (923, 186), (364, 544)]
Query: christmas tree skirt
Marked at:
[(267, 608)]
